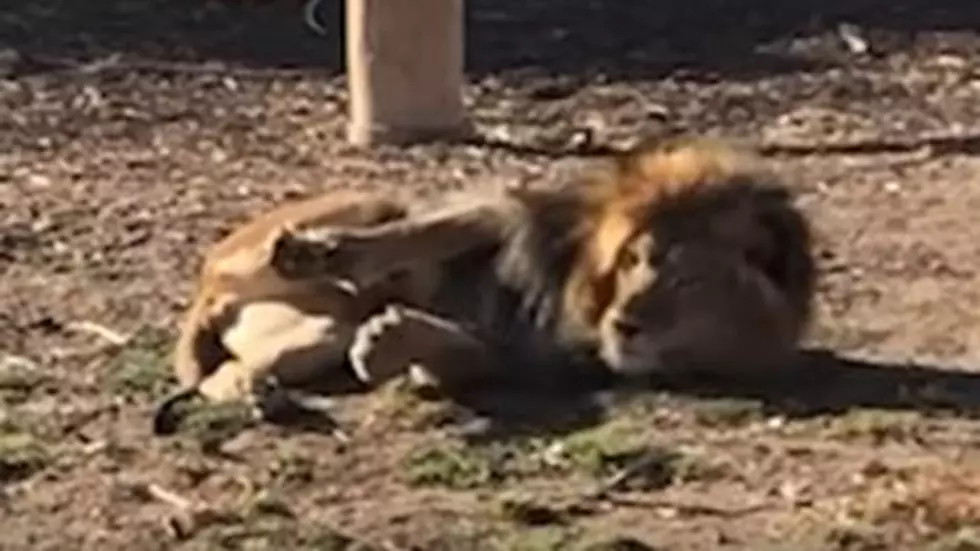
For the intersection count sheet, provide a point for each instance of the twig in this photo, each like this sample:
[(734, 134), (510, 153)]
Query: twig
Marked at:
[(170, 498), (192, 515), (612, 483), (687, 507), (189, 516), (13, 361), (111, 336), (936, 143), (602, 492), (84, 419)]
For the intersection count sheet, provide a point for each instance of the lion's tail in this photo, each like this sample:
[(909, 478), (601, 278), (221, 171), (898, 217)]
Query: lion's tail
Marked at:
[(167, 415), (198, 353)]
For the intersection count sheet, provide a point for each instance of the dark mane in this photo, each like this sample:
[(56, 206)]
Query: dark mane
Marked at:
[(536, 259)]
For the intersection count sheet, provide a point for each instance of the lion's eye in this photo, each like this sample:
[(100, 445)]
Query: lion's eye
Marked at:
[(627, 327), (629, 259)]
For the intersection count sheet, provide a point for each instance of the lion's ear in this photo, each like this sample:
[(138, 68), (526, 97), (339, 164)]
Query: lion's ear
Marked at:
[(787, 256)]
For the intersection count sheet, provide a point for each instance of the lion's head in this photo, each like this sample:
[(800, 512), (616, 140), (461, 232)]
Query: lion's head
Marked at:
[(690, 256)]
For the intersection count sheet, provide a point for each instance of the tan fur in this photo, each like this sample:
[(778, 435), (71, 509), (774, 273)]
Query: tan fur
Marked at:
[(248, 321), (263, 312), (238, 269)]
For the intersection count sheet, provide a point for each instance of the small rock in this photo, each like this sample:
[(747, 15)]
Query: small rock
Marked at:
[(851, 36), (38, 181), (948, 61), (776, 422)]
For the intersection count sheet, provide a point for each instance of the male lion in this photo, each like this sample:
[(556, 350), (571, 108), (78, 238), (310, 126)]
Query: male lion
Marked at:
[(683, 256)]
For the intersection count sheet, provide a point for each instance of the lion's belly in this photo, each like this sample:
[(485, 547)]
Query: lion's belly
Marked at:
[(293, 344)]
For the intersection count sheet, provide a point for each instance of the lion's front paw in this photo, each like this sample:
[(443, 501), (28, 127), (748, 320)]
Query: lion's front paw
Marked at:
[(381, 345), (297, 255)]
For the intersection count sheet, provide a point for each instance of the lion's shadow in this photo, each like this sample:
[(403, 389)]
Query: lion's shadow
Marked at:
[(824, 383), (827, 383)]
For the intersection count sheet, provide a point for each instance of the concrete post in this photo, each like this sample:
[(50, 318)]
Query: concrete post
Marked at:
[(405, 70)]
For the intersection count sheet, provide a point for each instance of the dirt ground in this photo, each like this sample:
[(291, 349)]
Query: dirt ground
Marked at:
[(135, 132)]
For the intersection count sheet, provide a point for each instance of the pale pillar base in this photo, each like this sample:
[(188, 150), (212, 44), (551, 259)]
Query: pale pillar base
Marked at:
[(405, 71), (360, 134)]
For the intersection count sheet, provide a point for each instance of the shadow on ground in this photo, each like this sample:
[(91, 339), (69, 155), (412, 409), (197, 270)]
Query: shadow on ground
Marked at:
[(824, 384), (827, 383), (633, 39)]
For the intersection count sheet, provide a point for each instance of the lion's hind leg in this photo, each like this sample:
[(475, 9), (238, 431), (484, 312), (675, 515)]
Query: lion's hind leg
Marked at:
[(270, 341)]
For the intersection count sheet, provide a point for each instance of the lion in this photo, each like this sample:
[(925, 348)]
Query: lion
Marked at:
[(677, 257), (683, 257)]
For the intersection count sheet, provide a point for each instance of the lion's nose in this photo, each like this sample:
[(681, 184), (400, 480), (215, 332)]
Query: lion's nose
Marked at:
[(627, 327)]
